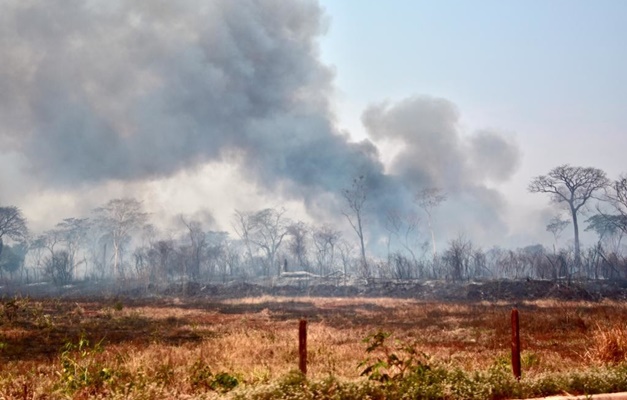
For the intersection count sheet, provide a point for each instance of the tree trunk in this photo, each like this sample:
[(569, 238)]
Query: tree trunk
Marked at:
[(116, 252), (577, 246), (361, 242), (435, 252)]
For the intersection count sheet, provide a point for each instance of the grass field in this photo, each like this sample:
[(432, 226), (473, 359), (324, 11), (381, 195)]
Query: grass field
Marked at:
[(248, 348)]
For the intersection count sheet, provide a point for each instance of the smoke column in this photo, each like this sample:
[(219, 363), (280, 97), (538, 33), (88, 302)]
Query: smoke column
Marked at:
[(436, 153), (95, 91)]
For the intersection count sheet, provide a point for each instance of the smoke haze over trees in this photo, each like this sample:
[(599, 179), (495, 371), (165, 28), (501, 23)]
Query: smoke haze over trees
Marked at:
[(104, 103), (117, 243), (124, 92)]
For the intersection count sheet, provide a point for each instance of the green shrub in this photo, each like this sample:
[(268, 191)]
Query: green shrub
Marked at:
[(80, 368), (202, 378)]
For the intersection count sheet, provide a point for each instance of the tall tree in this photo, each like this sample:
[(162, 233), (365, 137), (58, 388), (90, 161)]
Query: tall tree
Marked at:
[(556, 226), (118, 219), (428, 199), (298, 232), (198, 245), (457, 259), (12, 259), (74, 235), (356, 198), (325, 239), (608, 229), (573, 186), (405, 227), (12, 224), (616, 195), (60, 264)]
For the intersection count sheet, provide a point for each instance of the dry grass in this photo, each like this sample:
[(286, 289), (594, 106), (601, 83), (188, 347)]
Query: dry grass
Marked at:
[(155, 347), (609, 344)]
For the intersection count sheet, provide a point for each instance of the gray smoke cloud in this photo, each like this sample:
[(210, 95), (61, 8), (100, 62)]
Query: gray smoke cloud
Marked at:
[(127, 90), (436, 153), (105, 90), (94, 91)]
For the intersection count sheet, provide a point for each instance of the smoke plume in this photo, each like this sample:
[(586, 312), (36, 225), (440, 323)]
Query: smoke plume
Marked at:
[(97, 91), (436, 153)]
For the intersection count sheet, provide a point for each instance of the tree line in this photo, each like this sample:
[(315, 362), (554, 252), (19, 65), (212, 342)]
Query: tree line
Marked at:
[(118, 242)]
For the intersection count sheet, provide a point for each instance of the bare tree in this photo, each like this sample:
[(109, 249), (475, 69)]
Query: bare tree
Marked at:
[(400, 266), (265, 229), (49, 240), (457, 259), (198, 244), (405, 228), (573, 186), (346, 255), (298, 233), (608, 248), (356, 198), (73, 233), (556, 226), (59, 263), (429, 199), (59, 266), (161, 256), (118, 219), (616, 196), (36, 250), (607, 228), (218, 257), (325, 239), (12, 224), (144, 271), (242, 224), (62, 244), (233, 258)]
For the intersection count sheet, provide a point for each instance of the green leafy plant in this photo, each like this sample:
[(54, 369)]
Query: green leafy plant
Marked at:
[(391, 362), (118, 306), (203, 378), (224, 382), (80, 368)]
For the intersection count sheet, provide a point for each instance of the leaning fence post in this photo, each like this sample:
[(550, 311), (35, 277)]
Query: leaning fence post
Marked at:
[(302, 346), (515, 344)]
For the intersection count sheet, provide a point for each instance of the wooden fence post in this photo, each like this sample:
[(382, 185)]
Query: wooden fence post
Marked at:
[(515, 344), (302, 346)]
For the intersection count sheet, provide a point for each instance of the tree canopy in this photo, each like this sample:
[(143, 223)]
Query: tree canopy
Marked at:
[(12, 224), (573, 186)]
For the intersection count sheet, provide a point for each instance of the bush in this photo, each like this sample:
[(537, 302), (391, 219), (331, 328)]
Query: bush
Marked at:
[(202, 378)]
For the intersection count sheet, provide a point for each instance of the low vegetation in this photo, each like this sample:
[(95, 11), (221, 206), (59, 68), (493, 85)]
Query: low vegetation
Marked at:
[(357, 348)]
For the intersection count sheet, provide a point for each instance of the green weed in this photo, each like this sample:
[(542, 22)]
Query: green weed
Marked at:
[(80, 367), (201, 377)]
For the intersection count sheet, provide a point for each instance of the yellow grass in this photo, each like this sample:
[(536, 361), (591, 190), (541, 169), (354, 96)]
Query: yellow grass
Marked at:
[(255, 339), (609, 344)]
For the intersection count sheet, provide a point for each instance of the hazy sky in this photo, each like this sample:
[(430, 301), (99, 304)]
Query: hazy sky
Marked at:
[(551, 73), (216, 105)]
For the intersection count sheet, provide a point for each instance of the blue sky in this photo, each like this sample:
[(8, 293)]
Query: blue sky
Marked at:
[(559, 64), (551, 73), (529, 55)]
